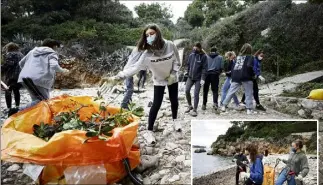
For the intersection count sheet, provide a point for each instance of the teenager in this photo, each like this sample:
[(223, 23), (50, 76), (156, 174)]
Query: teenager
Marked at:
[(296, 166), (196, 67), (256, 175), (143, 76), (161, 57), (10, 70), (214, 69), (241, 161), (41, 65), (228, 66), (259, 55), (242, 75)]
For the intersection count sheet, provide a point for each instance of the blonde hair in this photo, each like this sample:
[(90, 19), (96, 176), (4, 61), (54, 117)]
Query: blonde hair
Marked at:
[(230, 54)]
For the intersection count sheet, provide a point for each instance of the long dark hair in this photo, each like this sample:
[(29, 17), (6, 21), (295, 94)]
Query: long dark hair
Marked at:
[(252, 149), (157, 44), (246, 49), (258, 52)]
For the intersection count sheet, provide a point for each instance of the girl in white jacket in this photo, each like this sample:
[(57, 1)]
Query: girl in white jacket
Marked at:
[(161, 57)]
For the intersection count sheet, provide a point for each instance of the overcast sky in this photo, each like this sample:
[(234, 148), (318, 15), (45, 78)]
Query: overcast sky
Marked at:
[(178, 7), (205, 132)]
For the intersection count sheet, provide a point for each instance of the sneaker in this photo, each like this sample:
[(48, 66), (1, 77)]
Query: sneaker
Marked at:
[(149, 137), (203, 107), (250, 111), (260, 107), (189, 108), (215, 106), (194, 113), (243, 104), (223, 108), (239, 108)]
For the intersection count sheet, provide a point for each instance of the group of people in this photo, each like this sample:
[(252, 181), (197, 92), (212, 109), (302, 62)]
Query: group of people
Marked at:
[(205, 70), (296, 167), (39, 65)]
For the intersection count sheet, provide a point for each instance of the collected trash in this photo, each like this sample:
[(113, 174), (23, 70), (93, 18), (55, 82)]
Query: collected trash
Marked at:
[(64, 156), (316, 94)]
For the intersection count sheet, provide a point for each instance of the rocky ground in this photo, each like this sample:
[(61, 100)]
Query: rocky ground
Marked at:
[(227, 177)]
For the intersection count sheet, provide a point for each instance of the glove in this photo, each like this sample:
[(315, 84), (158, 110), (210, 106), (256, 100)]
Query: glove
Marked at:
[(202, 82), (234, 160), (262, 79), (223, 74), (244, 162), (65, 70), (245, 175), (108, 83), (299, 177), (172, 78)]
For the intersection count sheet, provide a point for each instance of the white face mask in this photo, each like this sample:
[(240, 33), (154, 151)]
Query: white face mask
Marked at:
[(260, 58), (151, 39)]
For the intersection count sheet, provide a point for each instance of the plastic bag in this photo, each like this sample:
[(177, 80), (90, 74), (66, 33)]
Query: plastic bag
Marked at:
[(316, 94), (66, 148), (33, 171), (269, 175), (94, 174)]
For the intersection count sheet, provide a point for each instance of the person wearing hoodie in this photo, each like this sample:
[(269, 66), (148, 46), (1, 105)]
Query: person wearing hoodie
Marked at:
[(259, 55), (228, 66), (256, 175), (214, 69), (143, 76), (133, 58), (296, 166), (161, 57), (10, 71), (242, 75), (41, 65), (196, 67), (241, 161)]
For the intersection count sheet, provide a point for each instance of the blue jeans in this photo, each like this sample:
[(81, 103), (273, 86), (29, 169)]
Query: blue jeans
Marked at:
[(225, 89), (283, 177), (129, 91)]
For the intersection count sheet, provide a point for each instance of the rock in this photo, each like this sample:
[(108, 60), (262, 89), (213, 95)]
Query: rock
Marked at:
[(209, 153), (13, 167), (292, 101), (317, 115), (200, 150), (147, 181), (174, 178), (312, 104), (171, 146), (178, 126), (147, 162), (164, 179), (181, 97), (163, 172), (305, 113), (180, 158), (7, 180), (187, 163), (155, 178)]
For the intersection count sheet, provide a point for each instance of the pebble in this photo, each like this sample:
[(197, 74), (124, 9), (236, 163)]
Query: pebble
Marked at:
[(174, 178), (180, 158)]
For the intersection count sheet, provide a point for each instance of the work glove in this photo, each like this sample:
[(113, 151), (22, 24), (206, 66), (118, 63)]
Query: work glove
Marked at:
[(172, 78), (202, 82), (244, 162), (223, 74), (299, 177), (107, 83), (65, 70), (262, 79), (245, 175), (234, 160)]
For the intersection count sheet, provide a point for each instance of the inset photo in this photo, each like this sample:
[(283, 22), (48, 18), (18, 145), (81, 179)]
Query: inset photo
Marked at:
[(254, 152)]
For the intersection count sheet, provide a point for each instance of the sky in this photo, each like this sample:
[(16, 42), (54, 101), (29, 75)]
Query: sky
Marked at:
[(177, 7), (205, 132)]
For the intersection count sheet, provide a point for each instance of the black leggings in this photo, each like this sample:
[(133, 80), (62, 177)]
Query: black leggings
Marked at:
[(158, 99), (255, 93), (213, 80), (8, 95), (142, 74), (238, 173)]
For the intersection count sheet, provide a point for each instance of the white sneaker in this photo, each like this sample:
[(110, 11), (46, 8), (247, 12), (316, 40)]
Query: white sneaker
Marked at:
[(223, 108), (149, 137), (242, 104), (250, 111)]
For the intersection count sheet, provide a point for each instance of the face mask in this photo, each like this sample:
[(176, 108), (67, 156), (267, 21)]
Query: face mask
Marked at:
[(293, 149), (151, 39), (260, 58)]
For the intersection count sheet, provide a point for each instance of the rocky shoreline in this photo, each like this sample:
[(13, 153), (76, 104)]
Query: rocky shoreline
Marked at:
[(227, 176)]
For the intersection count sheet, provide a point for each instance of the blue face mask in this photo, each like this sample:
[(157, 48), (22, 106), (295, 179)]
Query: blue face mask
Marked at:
[(293, 149), (151, 39)]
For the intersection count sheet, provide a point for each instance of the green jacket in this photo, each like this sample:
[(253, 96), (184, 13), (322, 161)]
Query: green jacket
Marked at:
[(297, 162)]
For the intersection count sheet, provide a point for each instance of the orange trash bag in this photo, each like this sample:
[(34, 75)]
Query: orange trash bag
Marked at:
[(67, 148), (269, 175)]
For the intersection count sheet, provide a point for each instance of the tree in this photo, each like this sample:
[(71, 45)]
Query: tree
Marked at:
[(194, 14), (153, 11)]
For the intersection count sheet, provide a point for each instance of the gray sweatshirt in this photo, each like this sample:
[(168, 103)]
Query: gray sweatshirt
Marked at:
[(297, 162), (161, 63), (41, 65)]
